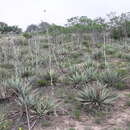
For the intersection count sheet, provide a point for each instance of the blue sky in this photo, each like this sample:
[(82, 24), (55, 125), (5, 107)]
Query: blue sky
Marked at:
[(25, 12)]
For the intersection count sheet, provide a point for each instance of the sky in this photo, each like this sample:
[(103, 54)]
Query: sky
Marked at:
[(26, 12)]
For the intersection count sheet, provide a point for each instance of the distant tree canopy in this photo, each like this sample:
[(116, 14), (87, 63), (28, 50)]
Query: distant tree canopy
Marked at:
[(32, 28), (4, 29), (117, 26), (42, 27)]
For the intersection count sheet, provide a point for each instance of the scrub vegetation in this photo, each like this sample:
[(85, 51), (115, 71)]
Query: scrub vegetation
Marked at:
[(73, 77)]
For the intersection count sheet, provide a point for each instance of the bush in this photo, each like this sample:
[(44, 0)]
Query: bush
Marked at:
[(97, 55), (112, 79), (95, 96), (42, 83), (82, 76), (36, 104), (7, 66), (86, 43), (110, 50), (78, 78), (44, 80), (51, 75), (99, 45), (44, 106), (26, 74), (27, 35)]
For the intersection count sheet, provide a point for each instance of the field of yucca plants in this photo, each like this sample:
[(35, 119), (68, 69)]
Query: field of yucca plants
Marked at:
[(64, 85)]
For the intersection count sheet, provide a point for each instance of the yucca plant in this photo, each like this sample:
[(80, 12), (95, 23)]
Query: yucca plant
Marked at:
[(91, 73), (82, 75), (98, 55), (31, 102), (19, 86), (73, 69), (95, 96), (44, 106), (78, 78), (89, 63), (111, 78), (24, 98)]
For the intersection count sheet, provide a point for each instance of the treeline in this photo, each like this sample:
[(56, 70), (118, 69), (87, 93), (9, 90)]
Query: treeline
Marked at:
[(5, 28), (116, 26)]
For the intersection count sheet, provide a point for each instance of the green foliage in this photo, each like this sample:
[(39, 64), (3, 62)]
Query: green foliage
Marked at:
[(86, 43), (128, 103), (51, 75), (98, 55), (112, 79), (27, 35), (78, 76), (122, 72), (40, 106), (117, 33), (126, 56), (110, 50), (95, 95), (128, 123), (4, 123), (42, 82), (99, 45), (45, 123), (71, 129), (45, 46), (7, 66), (44, 106), (56, 29), (128, 95), (89, 63), (7, 29), (4, 74), (26, 74), (76, 114), (23, 91)]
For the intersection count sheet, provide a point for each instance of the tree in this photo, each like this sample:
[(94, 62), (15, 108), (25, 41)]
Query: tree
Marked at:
[(43, 26), (4, 28), (32, 28)]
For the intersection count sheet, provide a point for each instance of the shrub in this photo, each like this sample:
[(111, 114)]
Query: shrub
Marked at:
[(78, 78), (110, 50), (127, 57), (83, 76), (128, 103), (45, 46), (7, 66), (97, 55), (35, 103), (86, 43), (42, 83), (112, 79), (26, 74), (44, 106), (4, 74), (99, 45), (27, 35), (95, 96), (89, 63), (76, 114), (51, 75)]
